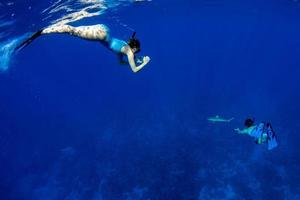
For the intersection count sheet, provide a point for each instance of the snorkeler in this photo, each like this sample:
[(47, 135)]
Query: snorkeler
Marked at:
[(99, 33), (262, 133)]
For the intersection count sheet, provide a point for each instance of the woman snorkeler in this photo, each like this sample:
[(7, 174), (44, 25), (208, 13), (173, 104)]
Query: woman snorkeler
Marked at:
[(99, 33)]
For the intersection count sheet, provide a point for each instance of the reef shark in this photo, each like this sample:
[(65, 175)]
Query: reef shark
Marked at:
[(217, 118)]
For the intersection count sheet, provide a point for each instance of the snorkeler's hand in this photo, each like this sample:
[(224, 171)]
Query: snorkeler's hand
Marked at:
[(146, 59), (237, 130)]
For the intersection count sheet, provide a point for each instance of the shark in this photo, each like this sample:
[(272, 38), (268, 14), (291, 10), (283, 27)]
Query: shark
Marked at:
[(217, 118)]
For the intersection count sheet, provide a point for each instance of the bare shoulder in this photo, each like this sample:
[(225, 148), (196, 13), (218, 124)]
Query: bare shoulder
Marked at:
[(126, 50)]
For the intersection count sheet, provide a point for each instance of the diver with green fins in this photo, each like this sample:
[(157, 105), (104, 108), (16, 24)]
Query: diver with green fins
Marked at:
[(262, 133)]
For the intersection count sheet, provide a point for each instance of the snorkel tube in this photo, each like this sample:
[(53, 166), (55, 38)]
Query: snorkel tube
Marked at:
[(133, 35), (134, 43)]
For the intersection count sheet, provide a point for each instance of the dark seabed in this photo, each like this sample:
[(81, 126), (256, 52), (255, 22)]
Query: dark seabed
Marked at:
[(76, 125)]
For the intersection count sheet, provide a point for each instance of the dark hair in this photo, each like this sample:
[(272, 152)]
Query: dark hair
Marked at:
[(134, 43), (249, 122)]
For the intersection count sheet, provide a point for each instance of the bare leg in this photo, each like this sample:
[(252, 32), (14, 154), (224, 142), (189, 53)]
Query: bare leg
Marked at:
[(94, 32)]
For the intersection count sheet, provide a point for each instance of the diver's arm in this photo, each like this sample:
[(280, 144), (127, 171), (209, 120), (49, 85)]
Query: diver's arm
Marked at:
[(131, 61), (243, 131)]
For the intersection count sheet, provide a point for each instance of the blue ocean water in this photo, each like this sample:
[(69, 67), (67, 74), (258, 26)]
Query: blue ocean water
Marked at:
[(75, 124)]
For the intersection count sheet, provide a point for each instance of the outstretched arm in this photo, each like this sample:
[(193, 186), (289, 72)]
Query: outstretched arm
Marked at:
[(243, 131), (132, 63)]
